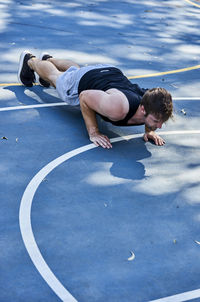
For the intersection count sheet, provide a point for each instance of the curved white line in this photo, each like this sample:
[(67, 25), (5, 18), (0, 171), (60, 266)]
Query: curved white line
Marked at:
[(180, 297), (25, 214)]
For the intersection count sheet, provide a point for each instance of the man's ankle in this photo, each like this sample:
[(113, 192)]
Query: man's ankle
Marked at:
[(30, 62)]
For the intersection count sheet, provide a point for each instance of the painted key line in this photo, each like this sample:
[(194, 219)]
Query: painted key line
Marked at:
[(27, 232)]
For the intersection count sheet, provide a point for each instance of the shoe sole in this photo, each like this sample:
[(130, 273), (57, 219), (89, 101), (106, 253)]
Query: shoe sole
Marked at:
[(21, 61)]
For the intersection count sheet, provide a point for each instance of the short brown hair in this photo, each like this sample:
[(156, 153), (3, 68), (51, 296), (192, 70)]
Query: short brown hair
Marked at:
[(158, 101)]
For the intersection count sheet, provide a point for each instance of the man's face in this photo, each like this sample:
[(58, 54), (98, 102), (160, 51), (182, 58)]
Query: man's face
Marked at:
[(152, 122)]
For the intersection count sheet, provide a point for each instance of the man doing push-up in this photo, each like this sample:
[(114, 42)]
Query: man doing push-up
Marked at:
[(100, 89)]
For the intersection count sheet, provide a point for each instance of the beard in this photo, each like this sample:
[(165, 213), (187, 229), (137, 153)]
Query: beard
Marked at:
[(151, 128)]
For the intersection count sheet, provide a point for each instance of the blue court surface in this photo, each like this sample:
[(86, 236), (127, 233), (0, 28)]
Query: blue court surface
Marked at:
[(80, 223)]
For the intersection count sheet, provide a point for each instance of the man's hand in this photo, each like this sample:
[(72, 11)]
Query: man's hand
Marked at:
[(100, 140), (159, 141)]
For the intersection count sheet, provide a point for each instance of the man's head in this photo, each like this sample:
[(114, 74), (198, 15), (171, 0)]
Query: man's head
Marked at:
[(157, 102)]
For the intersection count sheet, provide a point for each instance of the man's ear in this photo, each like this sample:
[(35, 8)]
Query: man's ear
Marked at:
[(142, 109)]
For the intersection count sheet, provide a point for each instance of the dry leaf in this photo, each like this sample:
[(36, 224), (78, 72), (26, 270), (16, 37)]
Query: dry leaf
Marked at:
[(132, 257)]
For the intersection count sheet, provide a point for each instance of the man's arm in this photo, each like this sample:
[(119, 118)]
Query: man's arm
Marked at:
[(110, 104), (149, 134)]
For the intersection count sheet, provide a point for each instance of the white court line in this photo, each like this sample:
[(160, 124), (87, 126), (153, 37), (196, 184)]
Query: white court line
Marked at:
[(27, 232), (180, 297), (64, 104), (32, 106), (184, 98)]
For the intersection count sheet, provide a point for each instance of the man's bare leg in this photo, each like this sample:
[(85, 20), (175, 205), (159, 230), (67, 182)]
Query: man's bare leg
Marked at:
[(48, 69), (45, 69), (62, 65)]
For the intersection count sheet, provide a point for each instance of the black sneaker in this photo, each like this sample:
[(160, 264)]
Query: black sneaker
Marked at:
[(44, 56), (26, 75)]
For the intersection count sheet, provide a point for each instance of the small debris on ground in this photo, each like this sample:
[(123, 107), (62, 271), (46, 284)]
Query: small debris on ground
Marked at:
[(183, 111), (132, 257), (174, 85)]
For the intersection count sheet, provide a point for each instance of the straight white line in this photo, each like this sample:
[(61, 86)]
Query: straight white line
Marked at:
[(65, 104), (26, 227), (32, 106), (186, 98)]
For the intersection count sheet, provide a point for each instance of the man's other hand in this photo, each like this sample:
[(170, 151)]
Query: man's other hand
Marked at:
[(159, 141)]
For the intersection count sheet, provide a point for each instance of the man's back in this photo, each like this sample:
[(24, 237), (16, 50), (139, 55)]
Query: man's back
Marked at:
[(112, 79)]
